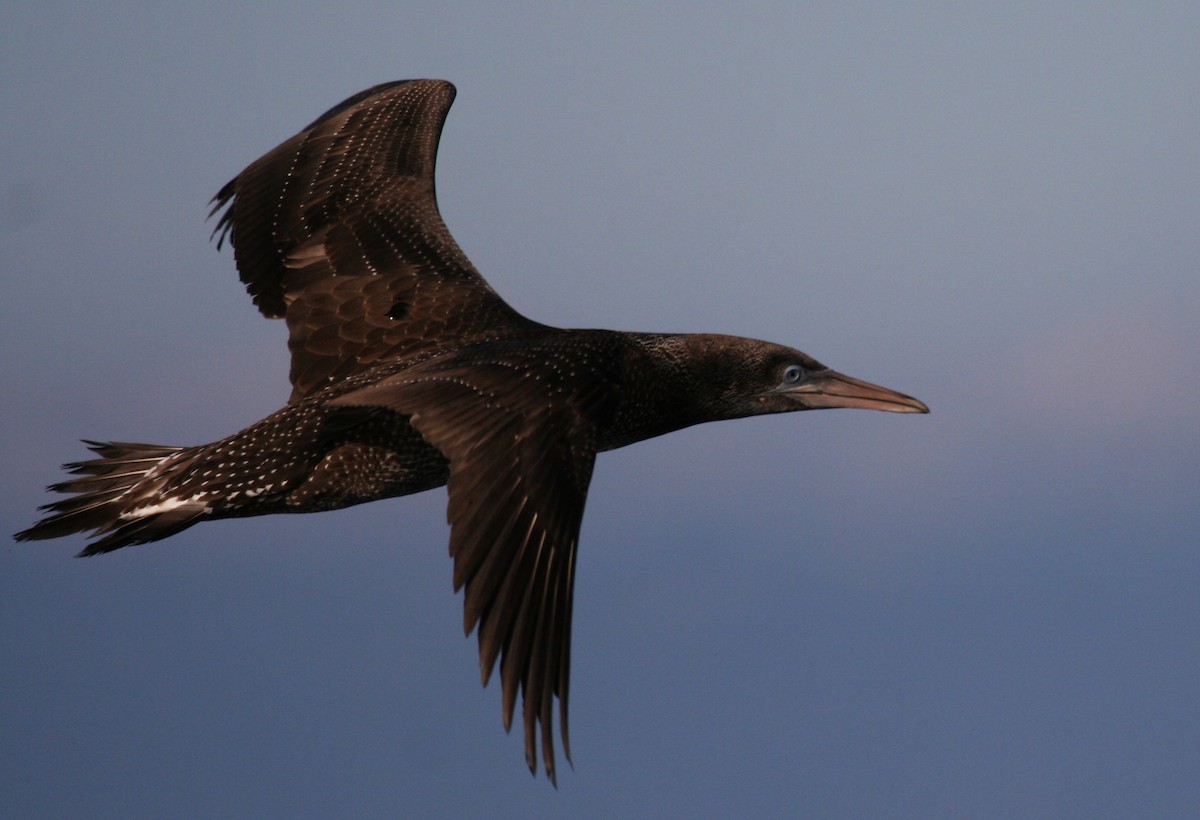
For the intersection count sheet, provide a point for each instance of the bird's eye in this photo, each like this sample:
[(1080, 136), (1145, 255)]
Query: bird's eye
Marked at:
[(793, 374)]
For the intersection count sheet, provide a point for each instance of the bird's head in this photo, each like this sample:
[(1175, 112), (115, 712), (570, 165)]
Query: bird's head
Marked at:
[(747, 377)]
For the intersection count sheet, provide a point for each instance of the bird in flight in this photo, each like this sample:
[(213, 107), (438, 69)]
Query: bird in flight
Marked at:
[(409, 372)]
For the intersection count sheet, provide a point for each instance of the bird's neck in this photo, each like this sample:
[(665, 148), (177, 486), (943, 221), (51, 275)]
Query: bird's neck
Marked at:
[(658, 392)]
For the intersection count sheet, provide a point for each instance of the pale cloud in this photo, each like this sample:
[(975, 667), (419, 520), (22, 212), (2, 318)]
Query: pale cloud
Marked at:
[(1134, 370)]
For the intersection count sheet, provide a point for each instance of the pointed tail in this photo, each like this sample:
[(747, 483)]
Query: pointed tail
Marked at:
[(120, 496)]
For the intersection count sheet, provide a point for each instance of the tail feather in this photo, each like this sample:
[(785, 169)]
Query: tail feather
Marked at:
[(144, 529), (118, 496)]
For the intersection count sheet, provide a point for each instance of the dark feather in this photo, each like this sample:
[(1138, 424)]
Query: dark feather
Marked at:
[(340, 223)]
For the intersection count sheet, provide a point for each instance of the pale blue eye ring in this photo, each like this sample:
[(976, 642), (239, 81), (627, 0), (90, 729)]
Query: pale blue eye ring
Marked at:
[(793, 374)]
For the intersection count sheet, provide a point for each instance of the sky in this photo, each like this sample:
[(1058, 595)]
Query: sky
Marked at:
[(993, 610)]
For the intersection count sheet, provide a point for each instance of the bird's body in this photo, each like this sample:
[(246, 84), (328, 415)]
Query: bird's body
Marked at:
[(409, 373)]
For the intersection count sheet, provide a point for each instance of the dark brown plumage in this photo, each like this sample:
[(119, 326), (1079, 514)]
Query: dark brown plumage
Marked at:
[(409, 372)]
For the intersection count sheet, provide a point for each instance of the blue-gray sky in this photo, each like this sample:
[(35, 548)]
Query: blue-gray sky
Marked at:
[(993, 610)]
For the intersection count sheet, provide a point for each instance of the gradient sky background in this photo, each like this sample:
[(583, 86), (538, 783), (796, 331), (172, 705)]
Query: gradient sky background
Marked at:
[(993, 610)]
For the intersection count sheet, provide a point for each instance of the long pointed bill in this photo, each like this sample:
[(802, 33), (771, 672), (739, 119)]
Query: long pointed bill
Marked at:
[(828, 388)]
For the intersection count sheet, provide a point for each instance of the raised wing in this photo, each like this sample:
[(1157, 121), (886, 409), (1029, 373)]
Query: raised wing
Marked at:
[(338, 231), (519, 428)]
